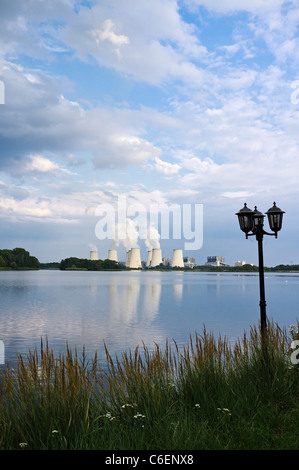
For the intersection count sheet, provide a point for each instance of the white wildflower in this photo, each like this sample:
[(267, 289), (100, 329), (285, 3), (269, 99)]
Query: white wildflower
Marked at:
[(225, 410), (23, 444)]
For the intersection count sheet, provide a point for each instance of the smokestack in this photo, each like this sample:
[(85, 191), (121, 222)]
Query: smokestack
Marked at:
[(177, 260), (135, 260), (94, 256), (149, 258), (112, 255), (156, 257)]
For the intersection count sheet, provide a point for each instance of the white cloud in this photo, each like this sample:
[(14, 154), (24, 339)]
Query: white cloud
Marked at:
[(155, 50), (19, 25), (229, 6), (272, 21), (24, 209), (166, 168), (124, 151), (238, 194), (38, 117), (40, 164), (228, 129), (278, 29), (107, 33), (69, 208)]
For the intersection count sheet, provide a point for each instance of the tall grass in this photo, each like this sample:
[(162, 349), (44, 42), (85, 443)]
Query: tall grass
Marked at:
[(210, 395)]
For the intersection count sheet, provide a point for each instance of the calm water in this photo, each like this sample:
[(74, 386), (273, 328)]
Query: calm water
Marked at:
[(123, 309)]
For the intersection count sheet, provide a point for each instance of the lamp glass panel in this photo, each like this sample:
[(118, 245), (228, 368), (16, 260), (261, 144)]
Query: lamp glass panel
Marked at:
[(275, 221)]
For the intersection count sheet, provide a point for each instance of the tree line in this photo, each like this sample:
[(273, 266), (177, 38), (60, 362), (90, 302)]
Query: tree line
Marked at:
[(18, 258), (89, 265), (248, 268), (284, 267)]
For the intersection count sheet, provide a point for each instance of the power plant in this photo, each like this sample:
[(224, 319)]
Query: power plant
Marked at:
[(156, 257), (177, 260), (94, 256), (112, 255), (127, 234), (149, 258), (133, 259), (128, 256)]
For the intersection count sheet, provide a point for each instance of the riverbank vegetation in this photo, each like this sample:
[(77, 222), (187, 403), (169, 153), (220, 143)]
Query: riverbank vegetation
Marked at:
[(247, 268), (210, 395), (18, 258), (88, 265), (207, 268)]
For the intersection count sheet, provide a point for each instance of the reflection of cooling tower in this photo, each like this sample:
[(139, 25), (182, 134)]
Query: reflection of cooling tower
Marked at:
[(112, 255), (135, 260), (156, 257), (178, 291), (149, 258), (128, 256), (177, 260), (151, 301), (94, 255)]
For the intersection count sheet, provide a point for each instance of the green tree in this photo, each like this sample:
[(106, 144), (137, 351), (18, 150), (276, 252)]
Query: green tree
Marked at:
[(90, 265), (18, 258)]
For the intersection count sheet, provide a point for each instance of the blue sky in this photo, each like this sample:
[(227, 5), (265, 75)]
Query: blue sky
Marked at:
[(163, 102)]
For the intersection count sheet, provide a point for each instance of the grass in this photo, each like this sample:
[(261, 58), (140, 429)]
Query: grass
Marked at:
[(209, 396)]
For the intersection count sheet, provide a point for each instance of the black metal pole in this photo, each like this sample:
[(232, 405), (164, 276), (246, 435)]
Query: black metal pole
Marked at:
[(259, 237)]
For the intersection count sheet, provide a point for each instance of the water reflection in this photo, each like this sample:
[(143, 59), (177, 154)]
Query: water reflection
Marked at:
[(178, 291), (151, 301), (128, 308)]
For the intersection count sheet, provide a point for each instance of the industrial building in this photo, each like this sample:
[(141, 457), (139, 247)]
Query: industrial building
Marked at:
[(166, 261), (189, 262), (215, 261), (240, 263)]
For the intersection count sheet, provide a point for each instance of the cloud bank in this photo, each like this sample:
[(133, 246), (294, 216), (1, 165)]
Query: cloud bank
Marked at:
[(180, 102)]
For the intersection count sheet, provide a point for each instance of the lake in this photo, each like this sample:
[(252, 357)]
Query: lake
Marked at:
[(124, 309)]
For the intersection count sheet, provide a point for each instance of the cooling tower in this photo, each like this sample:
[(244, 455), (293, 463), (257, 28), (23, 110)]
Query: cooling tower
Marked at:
[(128, 256), (112, 255), (156, 257), (94, 255), (177, 260), (149, 258), (135, 260)]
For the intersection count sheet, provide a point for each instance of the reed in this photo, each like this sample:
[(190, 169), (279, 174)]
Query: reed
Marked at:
[(209, 394)]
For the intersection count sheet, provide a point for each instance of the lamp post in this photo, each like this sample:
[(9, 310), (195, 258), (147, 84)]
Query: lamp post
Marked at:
[(253, 221)]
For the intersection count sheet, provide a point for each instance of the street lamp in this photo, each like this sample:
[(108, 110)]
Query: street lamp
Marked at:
[(253, 221)]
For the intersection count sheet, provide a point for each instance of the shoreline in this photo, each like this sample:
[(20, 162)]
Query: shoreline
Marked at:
[(231, 269)]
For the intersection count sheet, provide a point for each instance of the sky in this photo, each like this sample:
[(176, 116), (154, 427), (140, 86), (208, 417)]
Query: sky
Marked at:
[(169, 102)]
